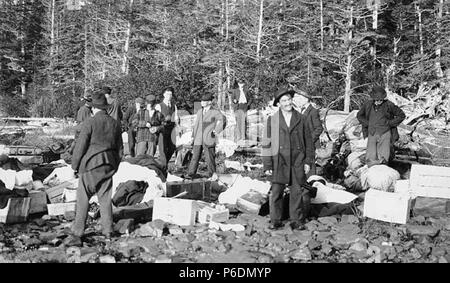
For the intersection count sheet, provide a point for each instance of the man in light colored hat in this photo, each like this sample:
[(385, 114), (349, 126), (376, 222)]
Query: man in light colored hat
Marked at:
[(96, 158), (302, 103), (287, 154), (209, 123), (379, 118)]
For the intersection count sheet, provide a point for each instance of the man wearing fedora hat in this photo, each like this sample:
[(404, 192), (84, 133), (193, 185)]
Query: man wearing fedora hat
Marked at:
[(83, 113), (379, 118), (127, 124), (287, 153), (85, 110), (209, 123), (96, 158), (302, 103), (114, 110), (149, 123)]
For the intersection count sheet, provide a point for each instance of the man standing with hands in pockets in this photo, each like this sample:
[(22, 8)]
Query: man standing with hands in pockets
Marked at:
[(287, 153)]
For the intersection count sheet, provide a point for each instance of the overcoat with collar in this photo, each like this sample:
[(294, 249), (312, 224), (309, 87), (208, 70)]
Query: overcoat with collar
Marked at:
[(204, 126), (99, 143), (286, 150), (313, 118)]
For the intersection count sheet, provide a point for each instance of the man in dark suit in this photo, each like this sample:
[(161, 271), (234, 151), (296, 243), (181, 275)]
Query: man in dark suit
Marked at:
[(287, 154), (302, 103), (96, 158), (114, 110), (209, 123), (127, 124), (167, 137)]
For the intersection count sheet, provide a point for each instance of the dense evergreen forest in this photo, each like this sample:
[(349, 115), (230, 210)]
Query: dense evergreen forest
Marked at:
[(54, 51)]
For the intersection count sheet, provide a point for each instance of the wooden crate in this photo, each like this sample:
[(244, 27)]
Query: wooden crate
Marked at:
[(199, 189), (208, 214), (387, 206), (16, 210), (430, 181), (176, 211), (38, 202), (55, 209), (55, 194)]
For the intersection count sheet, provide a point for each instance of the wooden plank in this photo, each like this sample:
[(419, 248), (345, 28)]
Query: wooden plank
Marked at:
[(430, 181), (16, 210)]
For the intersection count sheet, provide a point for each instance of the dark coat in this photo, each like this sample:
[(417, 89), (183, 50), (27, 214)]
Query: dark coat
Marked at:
[(114, 109), (83, 113), (128, 117), (287, 149), (235, 94), (392, 112), (99, 143), (313, 118), (213, 120)]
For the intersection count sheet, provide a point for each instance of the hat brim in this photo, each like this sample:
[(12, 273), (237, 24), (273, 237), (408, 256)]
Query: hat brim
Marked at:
[(280, 95)]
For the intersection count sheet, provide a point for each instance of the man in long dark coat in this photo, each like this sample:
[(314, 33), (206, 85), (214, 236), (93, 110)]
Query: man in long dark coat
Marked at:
[(302, 101), (96, 158), (287, 155)]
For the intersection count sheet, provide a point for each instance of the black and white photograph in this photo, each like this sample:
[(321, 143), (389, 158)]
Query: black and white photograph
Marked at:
[(212, 135)]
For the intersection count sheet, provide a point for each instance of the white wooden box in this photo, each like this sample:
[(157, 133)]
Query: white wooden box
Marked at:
[(176, 211), (430, 181), (208, 214), (55, 209), (387, 206)]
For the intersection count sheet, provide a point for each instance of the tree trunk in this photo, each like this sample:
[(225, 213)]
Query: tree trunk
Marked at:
[(373, 49), (419, 18), (321, 26), (86, 22), (125, 65), (308, 78), (348, 71), (258, 43), (108, 16), (439, 72)]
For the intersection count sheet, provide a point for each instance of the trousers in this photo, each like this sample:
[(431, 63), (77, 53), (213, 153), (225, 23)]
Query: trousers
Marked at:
[(97, 181), (299, 202), (378, 148), (210, 156)]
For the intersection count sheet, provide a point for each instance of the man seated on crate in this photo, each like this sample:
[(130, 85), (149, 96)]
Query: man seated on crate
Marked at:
[(209, 123), (96, 158)]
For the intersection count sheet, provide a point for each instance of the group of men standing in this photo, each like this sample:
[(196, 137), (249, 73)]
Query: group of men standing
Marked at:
[(289, 142), (150, 126), (292, 135)]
